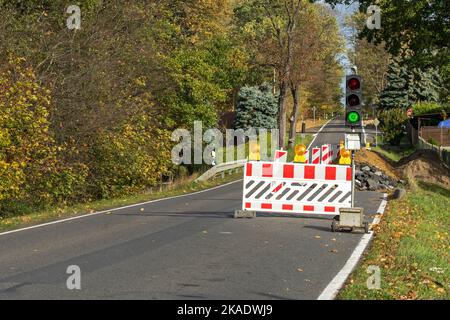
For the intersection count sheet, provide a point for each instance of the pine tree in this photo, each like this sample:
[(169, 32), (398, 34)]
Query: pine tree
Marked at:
[(396, 92), (406, 86), (256, 108), (424, 85)]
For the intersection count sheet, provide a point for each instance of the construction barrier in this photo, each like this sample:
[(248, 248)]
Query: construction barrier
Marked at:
[(296, 187), (280, 156), (326, 159), (315, 156)]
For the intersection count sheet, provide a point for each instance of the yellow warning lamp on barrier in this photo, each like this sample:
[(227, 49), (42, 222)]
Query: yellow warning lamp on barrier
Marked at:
[(345, 156), (254, 154), (341, 144), (300, 151)]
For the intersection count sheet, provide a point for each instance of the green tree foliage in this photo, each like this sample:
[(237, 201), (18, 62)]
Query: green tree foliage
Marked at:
[(395, 94), (256, 108), (393, 125), (425, 85), (422, 108), (417, 31), (405, 86)]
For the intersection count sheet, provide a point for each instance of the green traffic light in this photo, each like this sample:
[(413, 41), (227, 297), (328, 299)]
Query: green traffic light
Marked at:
[(353, 117)]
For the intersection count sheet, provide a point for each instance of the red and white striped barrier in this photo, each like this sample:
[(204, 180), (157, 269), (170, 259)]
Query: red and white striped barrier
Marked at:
[(325, 154), (307, 156), (280, 156), (315, 156), (296, 187)]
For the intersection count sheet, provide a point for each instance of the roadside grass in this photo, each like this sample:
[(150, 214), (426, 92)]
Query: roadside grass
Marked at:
[(411, 248), (394, 153), (185, 186)]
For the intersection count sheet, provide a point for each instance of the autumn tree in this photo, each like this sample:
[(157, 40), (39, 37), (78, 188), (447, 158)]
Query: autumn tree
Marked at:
[(317, 44), (269, 27)]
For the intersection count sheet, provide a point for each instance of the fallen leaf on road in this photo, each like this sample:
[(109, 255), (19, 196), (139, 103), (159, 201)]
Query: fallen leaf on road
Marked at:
[(334, 251), (142, 209), (334, 239), (204, 231), (317, 237), (299, 270)]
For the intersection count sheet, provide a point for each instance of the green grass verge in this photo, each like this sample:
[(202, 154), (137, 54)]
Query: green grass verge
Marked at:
[(394, 153), (411, 248), (55, 213)]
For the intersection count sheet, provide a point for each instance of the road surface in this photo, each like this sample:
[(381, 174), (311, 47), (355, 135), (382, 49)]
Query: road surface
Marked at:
[(186, 247)]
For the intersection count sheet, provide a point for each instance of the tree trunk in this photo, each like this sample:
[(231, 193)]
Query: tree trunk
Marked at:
[(294, 116), (282, 114)]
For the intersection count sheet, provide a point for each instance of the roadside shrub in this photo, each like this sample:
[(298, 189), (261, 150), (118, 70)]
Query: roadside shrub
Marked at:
[(422, 108), (128, 160), (393, 125), (31, 171), (27, 149)]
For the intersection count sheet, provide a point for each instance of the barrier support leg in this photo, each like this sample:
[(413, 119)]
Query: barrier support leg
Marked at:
[(244, 214)]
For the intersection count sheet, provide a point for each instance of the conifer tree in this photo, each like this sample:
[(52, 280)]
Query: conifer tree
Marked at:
[(396, 92), (256, 108)]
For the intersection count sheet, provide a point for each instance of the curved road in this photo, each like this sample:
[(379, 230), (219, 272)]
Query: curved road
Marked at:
[(187, 247)]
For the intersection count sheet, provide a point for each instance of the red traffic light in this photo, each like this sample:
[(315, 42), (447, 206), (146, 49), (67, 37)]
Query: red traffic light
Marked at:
[(353, 84)]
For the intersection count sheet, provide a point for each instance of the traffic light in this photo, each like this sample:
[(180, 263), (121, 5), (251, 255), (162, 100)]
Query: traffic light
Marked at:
[(353, 101)]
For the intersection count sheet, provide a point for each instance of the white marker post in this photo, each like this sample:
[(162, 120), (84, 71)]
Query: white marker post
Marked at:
[(376, 122)]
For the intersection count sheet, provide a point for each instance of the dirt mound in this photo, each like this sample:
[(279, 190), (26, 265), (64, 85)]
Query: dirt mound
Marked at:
[(368, 157), (424, 165)]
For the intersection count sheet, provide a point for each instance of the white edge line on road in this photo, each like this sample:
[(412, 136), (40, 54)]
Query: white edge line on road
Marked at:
[(115, 209), (312, 142), (332, 289)]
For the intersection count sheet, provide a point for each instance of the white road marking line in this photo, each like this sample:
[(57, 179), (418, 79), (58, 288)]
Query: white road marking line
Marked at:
[(332, 289), (115, 209), (315, 136)]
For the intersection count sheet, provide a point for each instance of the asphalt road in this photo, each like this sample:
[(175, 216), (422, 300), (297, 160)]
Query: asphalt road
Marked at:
[(187, 247), (335, 131)]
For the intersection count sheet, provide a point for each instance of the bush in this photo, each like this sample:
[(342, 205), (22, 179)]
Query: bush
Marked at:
[(392, 125), (27, 149), (422, 108), (129, 159), (31, 171)]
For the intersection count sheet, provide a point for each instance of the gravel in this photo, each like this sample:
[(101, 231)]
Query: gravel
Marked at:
[(371, 178)]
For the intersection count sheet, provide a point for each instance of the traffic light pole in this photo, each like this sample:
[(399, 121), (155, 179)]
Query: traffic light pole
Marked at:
[(353, 178), (353, 174)]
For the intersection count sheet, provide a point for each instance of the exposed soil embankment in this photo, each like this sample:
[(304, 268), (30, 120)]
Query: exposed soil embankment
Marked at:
[(422, 165)]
